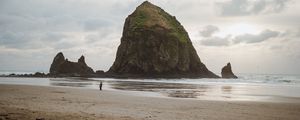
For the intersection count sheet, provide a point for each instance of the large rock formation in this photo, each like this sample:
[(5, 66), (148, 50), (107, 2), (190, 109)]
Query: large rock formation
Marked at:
[(61, 66), (155, 44), (227, 72)]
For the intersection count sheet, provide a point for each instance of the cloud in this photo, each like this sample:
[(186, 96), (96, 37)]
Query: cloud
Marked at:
[(16, 40), (50, 26), (216, 41), (250, 7), (251, 38), (36, 40), (298, 33), (276, 47), (208, 30), (51, 23), (101, 35), (96, 24), (53, 36)]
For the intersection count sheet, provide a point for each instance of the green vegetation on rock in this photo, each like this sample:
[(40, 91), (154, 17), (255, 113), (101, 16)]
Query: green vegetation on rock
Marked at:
[(140, 19), (150, 15), (177, 29)]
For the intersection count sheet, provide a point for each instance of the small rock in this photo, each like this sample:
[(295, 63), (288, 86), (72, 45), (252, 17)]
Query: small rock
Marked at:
[(227, 72)]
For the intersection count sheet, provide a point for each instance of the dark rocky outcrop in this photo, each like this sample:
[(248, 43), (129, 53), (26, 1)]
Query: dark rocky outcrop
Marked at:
[(100, 72), (36, 74), (81, 60), (227, 72), (155, 44), (62, 67), (57, 61)]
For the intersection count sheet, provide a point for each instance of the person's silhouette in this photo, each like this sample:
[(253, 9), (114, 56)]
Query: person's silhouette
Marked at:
[(100, 86)]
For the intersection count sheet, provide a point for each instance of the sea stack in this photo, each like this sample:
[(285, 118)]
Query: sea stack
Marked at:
[(227, 72), (63, 67), (57, 61), (155, 44)]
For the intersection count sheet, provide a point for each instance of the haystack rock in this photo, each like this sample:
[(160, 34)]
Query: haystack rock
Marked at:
[(155, 44), (227, 72), (61, 66)]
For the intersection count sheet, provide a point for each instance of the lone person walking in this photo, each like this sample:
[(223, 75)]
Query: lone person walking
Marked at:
[(100, 86)]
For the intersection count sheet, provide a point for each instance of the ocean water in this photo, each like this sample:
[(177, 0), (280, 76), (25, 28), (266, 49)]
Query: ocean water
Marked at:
[(248, 87)]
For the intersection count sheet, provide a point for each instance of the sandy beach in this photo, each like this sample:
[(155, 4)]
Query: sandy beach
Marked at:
[(37, 102)]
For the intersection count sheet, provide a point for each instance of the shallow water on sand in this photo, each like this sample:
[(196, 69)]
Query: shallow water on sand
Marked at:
[(275, 88)]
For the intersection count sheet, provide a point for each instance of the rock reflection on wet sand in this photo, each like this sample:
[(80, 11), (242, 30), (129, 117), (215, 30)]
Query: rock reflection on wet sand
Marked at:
[(226, 89), (167, 89), (185, 93), (145, 86), (178, 90), (71, 82), (181, 90)]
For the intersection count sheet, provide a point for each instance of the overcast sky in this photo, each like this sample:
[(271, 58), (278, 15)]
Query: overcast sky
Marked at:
[(256, 36)]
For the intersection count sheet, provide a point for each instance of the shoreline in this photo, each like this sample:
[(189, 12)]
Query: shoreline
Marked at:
[(115, 76), (31, 102), (182, 90)]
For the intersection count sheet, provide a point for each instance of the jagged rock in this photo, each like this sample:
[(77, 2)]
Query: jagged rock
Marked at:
[(62, 66), (57, 61), (155, 44), (227, 72), (82, 60)]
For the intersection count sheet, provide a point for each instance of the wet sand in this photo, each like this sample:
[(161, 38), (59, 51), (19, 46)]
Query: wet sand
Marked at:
[(32, 102)]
